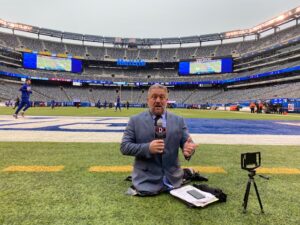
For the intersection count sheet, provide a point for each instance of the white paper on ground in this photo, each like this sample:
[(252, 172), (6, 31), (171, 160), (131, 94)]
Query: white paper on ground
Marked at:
[(182, 194)]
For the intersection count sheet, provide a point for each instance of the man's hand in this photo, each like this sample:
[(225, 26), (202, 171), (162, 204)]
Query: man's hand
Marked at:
[(189, 148), (157, 146)]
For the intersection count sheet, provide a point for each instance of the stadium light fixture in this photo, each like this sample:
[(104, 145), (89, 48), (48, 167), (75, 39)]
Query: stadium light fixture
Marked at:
[(280, 18)]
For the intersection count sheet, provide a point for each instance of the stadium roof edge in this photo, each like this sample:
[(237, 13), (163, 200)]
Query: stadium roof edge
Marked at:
[(281, 19)]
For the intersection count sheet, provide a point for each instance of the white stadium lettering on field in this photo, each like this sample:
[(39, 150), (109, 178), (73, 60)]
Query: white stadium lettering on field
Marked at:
[(94, 129)]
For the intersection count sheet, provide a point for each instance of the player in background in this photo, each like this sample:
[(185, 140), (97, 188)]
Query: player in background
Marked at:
[(252, 107), (26, 92), (53, 104), (98, 104), (118, 104)]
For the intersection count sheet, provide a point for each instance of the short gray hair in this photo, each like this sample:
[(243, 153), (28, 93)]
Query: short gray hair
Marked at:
[(157, 86)]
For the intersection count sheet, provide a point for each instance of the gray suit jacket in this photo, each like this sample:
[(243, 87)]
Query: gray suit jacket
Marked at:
[(149, 169)]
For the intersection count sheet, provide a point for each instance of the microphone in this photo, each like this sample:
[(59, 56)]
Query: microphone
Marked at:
[(160, 131)]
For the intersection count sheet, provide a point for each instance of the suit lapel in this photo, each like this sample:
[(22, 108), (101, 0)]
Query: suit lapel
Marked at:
[(149, 122), (168, 126)]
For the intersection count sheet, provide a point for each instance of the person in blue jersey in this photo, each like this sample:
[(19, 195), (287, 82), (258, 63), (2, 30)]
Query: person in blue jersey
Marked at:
[(53, 104), (25, 103), (118, 104)]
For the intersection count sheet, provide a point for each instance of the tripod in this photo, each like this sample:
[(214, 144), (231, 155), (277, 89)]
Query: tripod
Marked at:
[(246, 196)]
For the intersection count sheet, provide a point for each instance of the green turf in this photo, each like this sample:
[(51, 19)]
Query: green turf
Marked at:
[(76, 196), (187, 113)]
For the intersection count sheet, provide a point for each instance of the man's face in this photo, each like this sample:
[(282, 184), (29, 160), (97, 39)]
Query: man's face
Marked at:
[(28, 82), (157, 101)]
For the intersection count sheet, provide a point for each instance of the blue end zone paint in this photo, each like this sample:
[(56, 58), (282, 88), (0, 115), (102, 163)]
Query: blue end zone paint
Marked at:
[(221, 126), (195, 126)]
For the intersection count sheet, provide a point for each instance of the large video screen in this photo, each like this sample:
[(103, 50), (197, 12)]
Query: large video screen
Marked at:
[(205, 66), (53, 63), (34, 61)]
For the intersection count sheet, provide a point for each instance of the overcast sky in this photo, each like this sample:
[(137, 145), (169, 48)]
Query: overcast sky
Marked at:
[(143, 18)]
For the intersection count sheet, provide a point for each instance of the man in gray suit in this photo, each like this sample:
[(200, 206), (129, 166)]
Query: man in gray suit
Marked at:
[(156, 166)]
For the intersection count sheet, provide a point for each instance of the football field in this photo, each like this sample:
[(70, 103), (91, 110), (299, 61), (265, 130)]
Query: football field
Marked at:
[(64, 166)]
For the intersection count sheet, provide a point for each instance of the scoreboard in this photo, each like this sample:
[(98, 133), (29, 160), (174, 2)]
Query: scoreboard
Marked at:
[(205, 66), (35, 61)]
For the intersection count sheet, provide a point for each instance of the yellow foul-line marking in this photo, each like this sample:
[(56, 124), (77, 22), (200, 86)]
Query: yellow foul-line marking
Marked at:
[(201, 169), (111, 169), (33, 169), (128, 168), (278, 170), (208, 169)]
